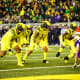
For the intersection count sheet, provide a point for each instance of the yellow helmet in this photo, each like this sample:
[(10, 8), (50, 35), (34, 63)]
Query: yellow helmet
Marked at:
[(45, 24), (73, 25), (20, 27), (28, 26)]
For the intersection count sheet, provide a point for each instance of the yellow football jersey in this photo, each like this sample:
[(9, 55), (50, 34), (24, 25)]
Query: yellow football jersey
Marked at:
[(9, 37), (40, 35), (25, 37), (69, 35), (45, 34)]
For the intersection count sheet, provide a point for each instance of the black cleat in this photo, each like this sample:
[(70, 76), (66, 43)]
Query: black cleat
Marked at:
[(45, 61), (23, 61), (58, 54), (66, 59)]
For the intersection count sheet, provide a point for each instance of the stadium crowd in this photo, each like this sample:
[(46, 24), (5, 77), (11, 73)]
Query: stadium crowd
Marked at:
[(25, 11)]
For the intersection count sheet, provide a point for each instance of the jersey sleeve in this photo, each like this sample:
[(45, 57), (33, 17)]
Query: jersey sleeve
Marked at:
[(9, 39), (67, 31), (77, 43)]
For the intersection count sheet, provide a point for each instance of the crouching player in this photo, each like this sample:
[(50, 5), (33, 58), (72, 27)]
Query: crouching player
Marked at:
[(9, 40), (67, 40), (39, 38), (24, 39)]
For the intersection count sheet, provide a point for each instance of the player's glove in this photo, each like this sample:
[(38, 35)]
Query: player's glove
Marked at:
[(74, 66)]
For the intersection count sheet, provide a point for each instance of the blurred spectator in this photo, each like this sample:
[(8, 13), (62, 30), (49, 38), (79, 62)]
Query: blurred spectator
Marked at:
[(10, 27), (57, 32), (57, 17), (50, 36), (38, 10), (63, 29), (0, 32), (78, 28), (4, 30)]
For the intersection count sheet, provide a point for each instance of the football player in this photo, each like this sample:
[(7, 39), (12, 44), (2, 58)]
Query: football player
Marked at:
[(67, 40), (9, 40), (77, 46), (39, 38), (25, 37)]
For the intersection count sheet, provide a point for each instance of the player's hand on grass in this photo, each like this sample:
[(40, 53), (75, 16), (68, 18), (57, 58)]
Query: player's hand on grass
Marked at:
[(75, 65)]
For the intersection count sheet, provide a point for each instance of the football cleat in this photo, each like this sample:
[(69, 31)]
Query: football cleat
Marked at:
[(66, 59), (11, 53), (20, 64), (58, 54), (45, 61), (23, 61)]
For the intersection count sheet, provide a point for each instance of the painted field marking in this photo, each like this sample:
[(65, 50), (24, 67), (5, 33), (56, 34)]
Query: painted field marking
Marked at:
[(36, 68)]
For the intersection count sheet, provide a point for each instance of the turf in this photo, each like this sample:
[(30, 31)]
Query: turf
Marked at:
[(34, 65)]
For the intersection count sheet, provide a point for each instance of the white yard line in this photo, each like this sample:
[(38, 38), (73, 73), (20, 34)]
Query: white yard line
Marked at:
[(36, 58), (34, 54), (35, 68)]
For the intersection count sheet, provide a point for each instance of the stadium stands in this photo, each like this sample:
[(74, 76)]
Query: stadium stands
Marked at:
[(14, 11)]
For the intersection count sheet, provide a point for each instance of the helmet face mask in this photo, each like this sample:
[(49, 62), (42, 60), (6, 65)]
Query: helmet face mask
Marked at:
[(44, 25), (28, 28), (73, 26), (19, 28)]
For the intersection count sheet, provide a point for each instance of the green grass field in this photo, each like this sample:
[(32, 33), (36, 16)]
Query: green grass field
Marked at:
[(35, 67)]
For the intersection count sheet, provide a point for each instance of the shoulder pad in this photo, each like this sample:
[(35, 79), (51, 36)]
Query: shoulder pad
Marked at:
[(12, 31), (68, 30)]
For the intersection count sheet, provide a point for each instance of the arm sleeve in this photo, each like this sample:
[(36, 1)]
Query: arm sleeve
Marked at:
[(77, 43)]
